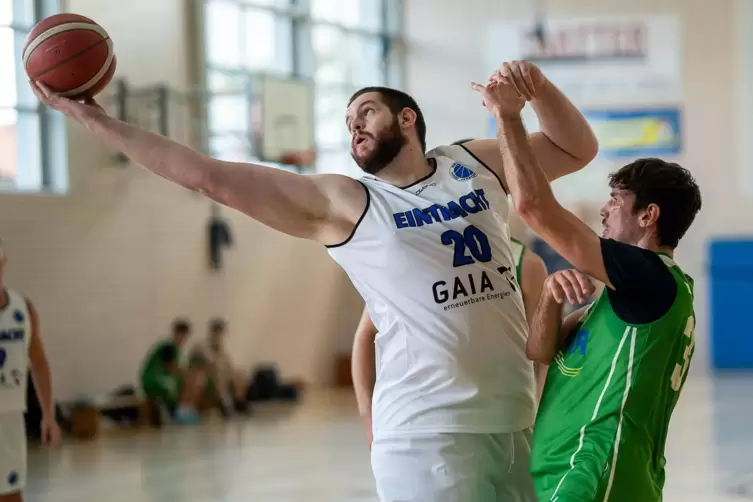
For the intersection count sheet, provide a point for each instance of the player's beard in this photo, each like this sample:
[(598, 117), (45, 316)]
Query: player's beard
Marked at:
[(389, 143)]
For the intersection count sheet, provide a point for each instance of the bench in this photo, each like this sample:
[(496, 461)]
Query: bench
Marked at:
[(86, 419)]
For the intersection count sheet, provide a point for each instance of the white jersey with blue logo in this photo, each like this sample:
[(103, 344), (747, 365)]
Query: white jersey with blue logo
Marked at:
[(433, 263), (15, 335)]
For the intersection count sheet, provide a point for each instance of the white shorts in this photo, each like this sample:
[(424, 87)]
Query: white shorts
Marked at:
[(12, 453), (454, 468)]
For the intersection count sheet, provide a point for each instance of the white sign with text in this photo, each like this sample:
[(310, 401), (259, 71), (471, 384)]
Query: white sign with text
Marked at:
[(599, 61)]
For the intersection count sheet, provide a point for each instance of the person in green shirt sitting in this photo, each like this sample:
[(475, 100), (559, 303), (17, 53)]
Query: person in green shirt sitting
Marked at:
[(167, 382)]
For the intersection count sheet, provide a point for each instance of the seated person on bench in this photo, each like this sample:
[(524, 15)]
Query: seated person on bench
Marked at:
[(224, 381), (164, 380)]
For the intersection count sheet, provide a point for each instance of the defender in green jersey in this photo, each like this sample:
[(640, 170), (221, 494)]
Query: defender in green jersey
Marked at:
[(617, 366), (614, 381)]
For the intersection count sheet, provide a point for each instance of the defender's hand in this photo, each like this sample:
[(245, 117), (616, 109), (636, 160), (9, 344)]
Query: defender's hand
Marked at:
[(571, 284)]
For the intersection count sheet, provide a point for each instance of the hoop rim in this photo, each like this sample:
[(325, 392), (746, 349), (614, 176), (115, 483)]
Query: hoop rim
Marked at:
[(299, 158)]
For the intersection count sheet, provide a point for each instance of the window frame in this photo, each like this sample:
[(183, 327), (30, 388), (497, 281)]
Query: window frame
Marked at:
[(51, 136), (302, 55)]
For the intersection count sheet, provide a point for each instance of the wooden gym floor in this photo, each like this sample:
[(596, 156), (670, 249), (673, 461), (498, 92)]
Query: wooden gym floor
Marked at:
[(315, 452)]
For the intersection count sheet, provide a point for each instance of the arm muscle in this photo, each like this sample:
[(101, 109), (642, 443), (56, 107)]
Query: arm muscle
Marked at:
[(319, 207), (364, 364), (533, 273)]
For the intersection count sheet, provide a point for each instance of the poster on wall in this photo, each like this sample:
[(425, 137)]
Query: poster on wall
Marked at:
[(624, 72), (626, 134), (598, 61), (632, 133)]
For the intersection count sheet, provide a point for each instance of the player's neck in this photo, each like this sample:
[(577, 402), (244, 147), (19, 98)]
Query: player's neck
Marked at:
[(649, 242), (408, 167), (666, 250)]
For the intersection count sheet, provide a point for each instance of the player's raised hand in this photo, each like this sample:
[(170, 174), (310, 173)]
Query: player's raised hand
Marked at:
[(524, 76), (571, 284), (77, 110), (500, 99)]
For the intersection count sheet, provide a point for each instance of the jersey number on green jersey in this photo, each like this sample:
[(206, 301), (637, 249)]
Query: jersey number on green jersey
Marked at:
[(681, 369)]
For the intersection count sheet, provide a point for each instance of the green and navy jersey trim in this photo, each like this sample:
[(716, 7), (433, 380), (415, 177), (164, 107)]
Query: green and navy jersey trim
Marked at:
[(632, 333)]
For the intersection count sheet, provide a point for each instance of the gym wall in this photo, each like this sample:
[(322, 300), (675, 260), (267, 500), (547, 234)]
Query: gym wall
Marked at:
[(445, 55), (110, 264)]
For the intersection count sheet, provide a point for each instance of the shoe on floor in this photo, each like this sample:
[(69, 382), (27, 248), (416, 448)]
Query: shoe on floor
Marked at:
[(186, 417)]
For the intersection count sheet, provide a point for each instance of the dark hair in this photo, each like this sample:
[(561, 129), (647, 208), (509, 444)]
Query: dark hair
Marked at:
[(396, 101), (181, 327), (216, 325), (461, 141), (669, 186)]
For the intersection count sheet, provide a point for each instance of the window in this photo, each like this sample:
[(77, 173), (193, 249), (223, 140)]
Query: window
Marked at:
[(338, 46), (32, 151)]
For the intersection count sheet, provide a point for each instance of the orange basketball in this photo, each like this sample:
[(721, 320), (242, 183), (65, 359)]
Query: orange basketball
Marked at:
[(71, 54)]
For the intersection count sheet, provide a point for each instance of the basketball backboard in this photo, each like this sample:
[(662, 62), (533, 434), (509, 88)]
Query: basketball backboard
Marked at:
[(282, 120), (265, 118)]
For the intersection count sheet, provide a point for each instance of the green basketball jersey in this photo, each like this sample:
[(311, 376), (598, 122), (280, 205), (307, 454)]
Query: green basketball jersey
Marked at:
[(154, 365), (518, 248), (603, 418)]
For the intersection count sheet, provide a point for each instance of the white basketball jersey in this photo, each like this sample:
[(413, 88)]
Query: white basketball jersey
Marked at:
[(434, 265), (15, 335)]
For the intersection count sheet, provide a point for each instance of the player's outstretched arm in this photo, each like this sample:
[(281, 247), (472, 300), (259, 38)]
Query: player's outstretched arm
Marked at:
[(530, 189), (363, 367), (318, 207), (42, 378), (565, 144)]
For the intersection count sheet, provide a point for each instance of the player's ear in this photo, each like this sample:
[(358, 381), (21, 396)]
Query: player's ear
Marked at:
[(650, 215), (406, 118)]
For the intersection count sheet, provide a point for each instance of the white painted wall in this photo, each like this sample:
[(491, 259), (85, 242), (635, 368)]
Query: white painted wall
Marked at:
[(110, 264), (447, 52)]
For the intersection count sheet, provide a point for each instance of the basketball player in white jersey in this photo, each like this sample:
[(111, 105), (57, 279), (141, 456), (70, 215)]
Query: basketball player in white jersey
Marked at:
[(424, 238), (20, 348), (530, 273)]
